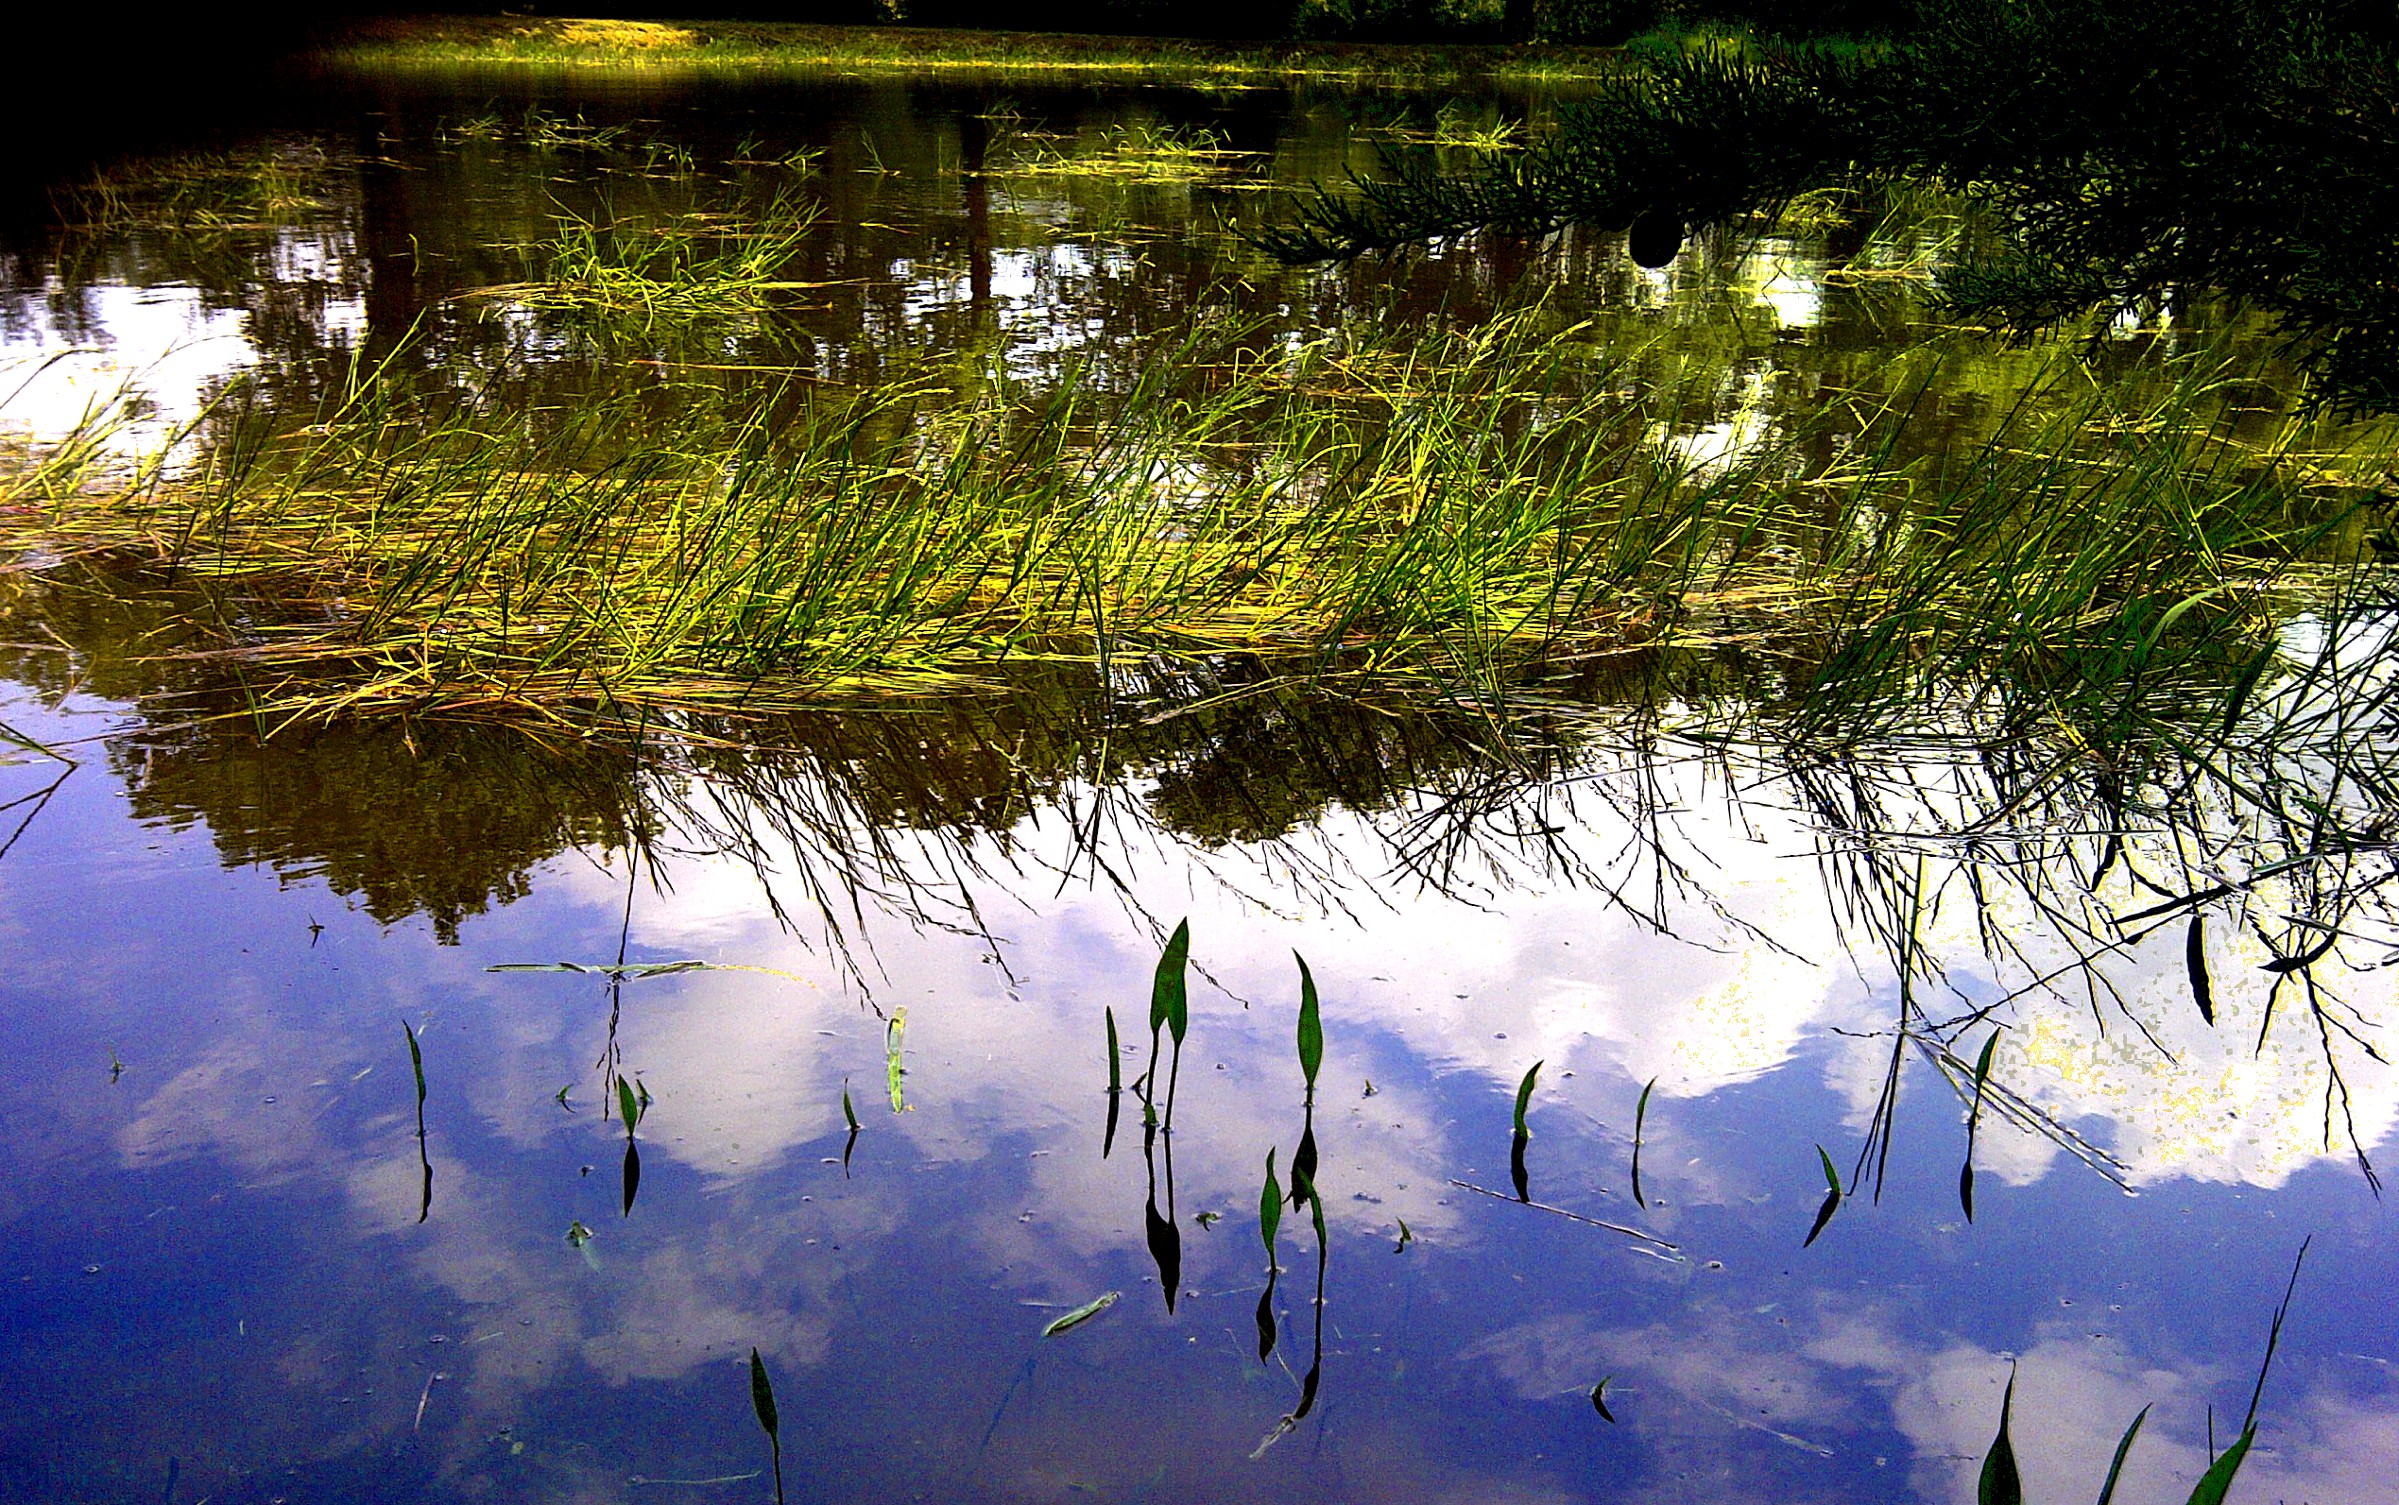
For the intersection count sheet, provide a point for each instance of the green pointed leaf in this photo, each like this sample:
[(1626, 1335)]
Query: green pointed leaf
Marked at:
[(1311, 1024), (628, 1106), (1115, 1068), (762, 1396), (1270, 1207), (1524, 1098), (1169, 1000), (416, 1062), (848, 1112), (2115, 1469), (1082, 1314), (2218, 1479), (1832, 1197), (1640, 1121), (1599, 1401), (2000, 1483), (2194, 961)]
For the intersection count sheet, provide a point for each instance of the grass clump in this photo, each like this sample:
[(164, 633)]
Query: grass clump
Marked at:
[(748, 46), (688, 270), (1465, 517)]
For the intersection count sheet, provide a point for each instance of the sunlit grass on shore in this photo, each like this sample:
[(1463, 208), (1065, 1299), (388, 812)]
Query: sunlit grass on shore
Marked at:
[(533, 42)]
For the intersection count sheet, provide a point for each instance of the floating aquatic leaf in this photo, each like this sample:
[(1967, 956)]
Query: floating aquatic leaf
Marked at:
[(2115, 1468), (2000, 1484), (2194, 961), (1599, 1400), (762, 1401), (1083, 1313), (1311, 1026), (1640, 1119), (1524, 1098), (1832, 1198), (628, 1106)]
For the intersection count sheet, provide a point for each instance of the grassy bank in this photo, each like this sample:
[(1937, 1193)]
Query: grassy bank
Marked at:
[(1468, 518), (748, 46)]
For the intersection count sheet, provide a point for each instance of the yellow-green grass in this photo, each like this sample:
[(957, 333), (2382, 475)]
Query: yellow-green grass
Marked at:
[(524, 42), (1453, 518)]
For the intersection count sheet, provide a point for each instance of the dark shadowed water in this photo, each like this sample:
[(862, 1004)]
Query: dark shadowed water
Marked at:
[(244, 1256)]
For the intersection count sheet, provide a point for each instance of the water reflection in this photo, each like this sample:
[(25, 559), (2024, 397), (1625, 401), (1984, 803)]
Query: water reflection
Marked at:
[(1731, 928), (961, 232)]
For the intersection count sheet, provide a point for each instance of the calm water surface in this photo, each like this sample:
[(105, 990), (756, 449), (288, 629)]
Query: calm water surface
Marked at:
[(240, 1265)]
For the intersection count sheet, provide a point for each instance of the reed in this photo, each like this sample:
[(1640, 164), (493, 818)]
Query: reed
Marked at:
[(1472, 517)]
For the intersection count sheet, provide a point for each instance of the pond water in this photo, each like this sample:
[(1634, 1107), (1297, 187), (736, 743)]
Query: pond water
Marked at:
[(319, 1185)]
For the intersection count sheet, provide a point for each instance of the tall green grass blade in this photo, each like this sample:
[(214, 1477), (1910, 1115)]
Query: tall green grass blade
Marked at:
[(416, 1063), (2282, 1312), (1640, 1120), (2115, 1468)]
